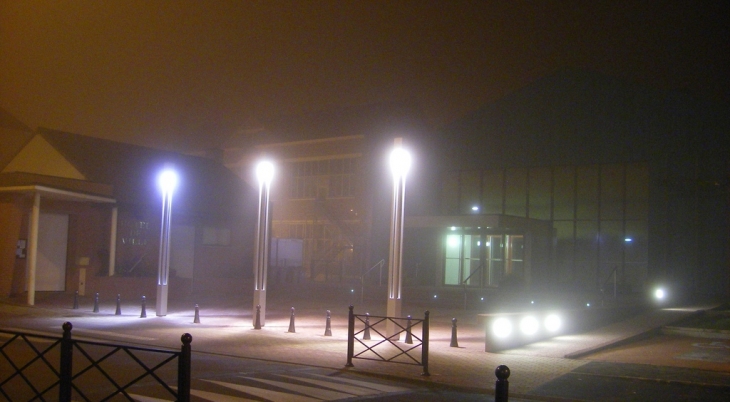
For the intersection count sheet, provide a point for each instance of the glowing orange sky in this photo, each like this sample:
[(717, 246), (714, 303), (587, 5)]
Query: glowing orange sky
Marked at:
[(187, 74)]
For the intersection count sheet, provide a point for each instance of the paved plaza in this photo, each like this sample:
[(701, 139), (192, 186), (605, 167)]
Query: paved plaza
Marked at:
[(226, 328)]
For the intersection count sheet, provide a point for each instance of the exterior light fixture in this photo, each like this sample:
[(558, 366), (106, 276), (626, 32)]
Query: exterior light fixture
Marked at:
[(501, 328), (167, 180), (475, 208), (552, 323), (264, 174), (529, 325), (400, 163)]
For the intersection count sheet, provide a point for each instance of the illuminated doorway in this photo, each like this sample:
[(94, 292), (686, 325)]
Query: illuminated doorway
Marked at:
[(482, 260)]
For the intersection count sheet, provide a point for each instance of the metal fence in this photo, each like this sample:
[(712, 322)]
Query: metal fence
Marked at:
[(44, 368), (388, 348)]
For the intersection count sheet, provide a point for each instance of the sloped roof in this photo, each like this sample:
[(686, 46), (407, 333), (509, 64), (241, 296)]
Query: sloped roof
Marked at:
[(205, 186), (13, 136)]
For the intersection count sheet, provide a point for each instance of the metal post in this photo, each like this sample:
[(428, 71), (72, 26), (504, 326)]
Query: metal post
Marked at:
[(76, 300), (366, 332), (350, 337), (66, 366), (328, 325), (409, 336), (119, 305), (400, 162), (291, 322), (264, 172), (196, 318), (424, 346), (454, 341), (143, 313), (501, 388), (96, 302), (183, 369)]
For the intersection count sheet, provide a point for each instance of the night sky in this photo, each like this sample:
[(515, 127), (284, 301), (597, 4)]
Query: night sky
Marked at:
[(186, 75)]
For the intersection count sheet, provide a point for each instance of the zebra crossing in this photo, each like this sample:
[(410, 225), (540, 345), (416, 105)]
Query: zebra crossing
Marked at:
[(301, 386)]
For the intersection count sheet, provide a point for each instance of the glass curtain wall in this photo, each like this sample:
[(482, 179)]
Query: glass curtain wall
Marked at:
[(599, 215)]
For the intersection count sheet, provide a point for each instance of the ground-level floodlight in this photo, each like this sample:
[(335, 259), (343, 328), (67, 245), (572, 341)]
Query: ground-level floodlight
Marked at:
[(264, 174), (400, 162), (552, 323), (502, 327), (167, 181), (529, 325)]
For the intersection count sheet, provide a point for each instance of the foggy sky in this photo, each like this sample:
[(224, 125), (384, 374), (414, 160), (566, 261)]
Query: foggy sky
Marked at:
[(186, 75)]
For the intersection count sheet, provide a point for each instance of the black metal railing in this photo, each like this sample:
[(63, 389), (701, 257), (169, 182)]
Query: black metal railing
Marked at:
[(32, 373), (391, 350)]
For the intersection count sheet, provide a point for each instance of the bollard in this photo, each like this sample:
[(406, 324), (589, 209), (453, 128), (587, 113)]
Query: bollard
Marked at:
[(119, 306), (96, 302), (291, 321), (76, 300), (257, 324), (196, 320), (454, 341), (501, 388), (143, 314), (366, 333), (409, 337), (328, 326)]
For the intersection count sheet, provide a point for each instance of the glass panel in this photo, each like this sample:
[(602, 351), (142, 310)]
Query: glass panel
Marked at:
[(586, 255), (496, 263), (564, 191), (492, 191), (452, 261), (612, 192), (637, 246), (449, 196), (587, 192), (564, 250), (515, 200), (637, 191), (540, 193), (470, 191), (611, 248)]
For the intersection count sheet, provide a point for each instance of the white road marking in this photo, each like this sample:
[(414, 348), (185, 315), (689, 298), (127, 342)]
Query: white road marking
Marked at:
[(323, 394), (273, 396), (371, 385), (350, 389), (212, 396)]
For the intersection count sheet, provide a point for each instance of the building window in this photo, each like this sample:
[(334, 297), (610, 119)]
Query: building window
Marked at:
[(327, 178)]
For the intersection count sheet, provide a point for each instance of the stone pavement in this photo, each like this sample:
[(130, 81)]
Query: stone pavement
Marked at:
[(226, 328)]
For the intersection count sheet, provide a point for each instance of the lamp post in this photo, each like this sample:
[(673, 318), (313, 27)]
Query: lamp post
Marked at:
[(400, 161), (167, 181), (264, 173)]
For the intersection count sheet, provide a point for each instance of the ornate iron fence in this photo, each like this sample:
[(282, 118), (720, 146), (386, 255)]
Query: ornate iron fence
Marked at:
[(390, 350), (34, 366)]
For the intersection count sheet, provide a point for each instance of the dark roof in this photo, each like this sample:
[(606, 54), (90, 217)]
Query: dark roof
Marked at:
[(206, 187), (368, 120), (9, 121), (582, 117)]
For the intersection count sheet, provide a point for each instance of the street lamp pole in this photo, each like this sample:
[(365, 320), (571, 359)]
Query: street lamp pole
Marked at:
[(264, 173), (167, 181), (400, 161)]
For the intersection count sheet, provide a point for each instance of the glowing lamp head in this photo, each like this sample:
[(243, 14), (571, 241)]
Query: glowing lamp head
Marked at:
[(501, 327), (265, 172), (529, 325), (659, 294), (167, 180), (552, 323), (400, 162)]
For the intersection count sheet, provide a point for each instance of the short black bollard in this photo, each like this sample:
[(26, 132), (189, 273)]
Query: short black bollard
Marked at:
[(119, 306), (501, 388), (257, 324), (96, 302), (291, 321), (76, 300), (65, 375), (143, 314), (454, 341), (409, 337), (366, 333), (328, 325), (184, 374), (196, 320)]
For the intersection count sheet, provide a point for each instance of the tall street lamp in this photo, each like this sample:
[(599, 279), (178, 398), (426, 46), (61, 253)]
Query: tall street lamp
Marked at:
[(264, 173), (167, 181), (400, 162)]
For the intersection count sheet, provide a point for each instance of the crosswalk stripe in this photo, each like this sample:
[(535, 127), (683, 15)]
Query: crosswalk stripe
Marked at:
[(265, 393), (142, 398), (323, 394), (366, 384), (212, 396), (350, 389)]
